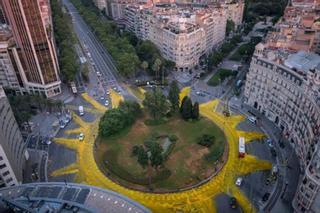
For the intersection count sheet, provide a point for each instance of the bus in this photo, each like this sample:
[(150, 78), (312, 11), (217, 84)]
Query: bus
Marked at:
[(242, 147), (73, 87)]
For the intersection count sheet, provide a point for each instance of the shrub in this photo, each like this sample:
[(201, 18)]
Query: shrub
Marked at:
[(206, 140), (173, 138)]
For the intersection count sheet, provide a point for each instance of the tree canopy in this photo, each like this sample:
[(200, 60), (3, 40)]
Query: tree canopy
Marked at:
[(65, 39), (118, 45), (156, 103), (174, 96), (115, 120)]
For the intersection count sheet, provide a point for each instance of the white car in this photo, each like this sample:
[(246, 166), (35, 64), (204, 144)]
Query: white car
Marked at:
[(101, 98), (106, 103), (108, 92), (81, 136), (239, 181), (252, 119)]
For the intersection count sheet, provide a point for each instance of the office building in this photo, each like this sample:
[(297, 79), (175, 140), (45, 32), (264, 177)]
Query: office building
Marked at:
[(31, 25), (13, 153)]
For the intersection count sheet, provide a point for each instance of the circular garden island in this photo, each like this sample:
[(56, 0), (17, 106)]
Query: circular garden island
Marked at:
[(160, 148)]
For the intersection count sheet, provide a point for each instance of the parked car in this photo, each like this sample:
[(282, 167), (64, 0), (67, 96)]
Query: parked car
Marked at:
[(270, 142), (81, 136), (265, 197), (233, 202), (239, 181), (252, 119)]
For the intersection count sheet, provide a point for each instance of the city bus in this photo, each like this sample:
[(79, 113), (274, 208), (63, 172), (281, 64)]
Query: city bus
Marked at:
[(242, 147)]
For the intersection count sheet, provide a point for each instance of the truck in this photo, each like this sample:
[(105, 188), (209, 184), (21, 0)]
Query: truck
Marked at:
[(81, 112), (242, 147)]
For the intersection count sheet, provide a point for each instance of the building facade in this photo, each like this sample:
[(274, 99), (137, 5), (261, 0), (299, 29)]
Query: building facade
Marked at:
[(8, 61), (286, 89), (13, 153), (182, 35), (31, 25)]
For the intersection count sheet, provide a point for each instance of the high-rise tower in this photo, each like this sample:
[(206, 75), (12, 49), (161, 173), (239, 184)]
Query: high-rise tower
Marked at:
[(31, 24)]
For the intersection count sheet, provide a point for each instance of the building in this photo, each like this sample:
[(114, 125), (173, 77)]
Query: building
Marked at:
[(235, 10), (307, 198), (283, 83), (9, 61), (182, 34), (65, 197), (13, 153), (31, 25), (286, 89), (101, 4)]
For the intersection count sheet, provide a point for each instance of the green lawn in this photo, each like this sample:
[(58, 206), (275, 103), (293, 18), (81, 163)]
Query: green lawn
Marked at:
[(186, 165), (220, 76)]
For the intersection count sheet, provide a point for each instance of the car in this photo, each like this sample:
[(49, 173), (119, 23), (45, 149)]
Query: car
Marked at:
[(108, 92), (270, 143), (106, 103), (252, 119), (101, 97), (239, 181), (48, 142), (115, 88), (62, 124), (233, 202), (273, 152), (81, 136), (265, 197)]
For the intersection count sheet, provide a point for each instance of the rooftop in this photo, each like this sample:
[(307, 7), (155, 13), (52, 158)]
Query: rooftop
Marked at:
[(62, 197), (302, 61)]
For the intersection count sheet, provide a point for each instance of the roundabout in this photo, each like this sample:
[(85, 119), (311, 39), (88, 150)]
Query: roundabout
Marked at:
[(186, 162), (198, 199)]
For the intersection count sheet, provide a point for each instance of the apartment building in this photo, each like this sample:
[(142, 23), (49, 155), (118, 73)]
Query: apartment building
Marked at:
[(234, 11), (31, 26), (182, 35), (283, 83), (13, 153)]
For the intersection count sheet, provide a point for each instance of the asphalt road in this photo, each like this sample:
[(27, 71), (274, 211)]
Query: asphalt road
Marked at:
[(98, 56)]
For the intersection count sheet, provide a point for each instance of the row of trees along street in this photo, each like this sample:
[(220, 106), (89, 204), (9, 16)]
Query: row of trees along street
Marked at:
[(128, 52), (65, 40)]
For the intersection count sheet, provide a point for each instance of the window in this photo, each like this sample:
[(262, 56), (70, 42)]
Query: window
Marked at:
[(6, 173), (2, 166), (9, 180)]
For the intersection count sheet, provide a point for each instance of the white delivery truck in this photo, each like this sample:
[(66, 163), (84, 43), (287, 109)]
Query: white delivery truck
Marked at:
[(81, 112)]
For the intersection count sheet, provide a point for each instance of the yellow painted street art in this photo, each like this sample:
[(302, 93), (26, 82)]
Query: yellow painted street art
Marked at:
[(116, 98), (199, 199)]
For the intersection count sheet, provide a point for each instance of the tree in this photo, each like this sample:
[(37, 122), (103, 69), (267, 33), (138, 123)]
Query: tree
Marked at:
[(195, 111), (230, 26), (156, 67), (85, 72), (156, 151), (115, 120), (174, 96), (142, 157), (144, 65), (156, 103), (186, 108), (206, 140)]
